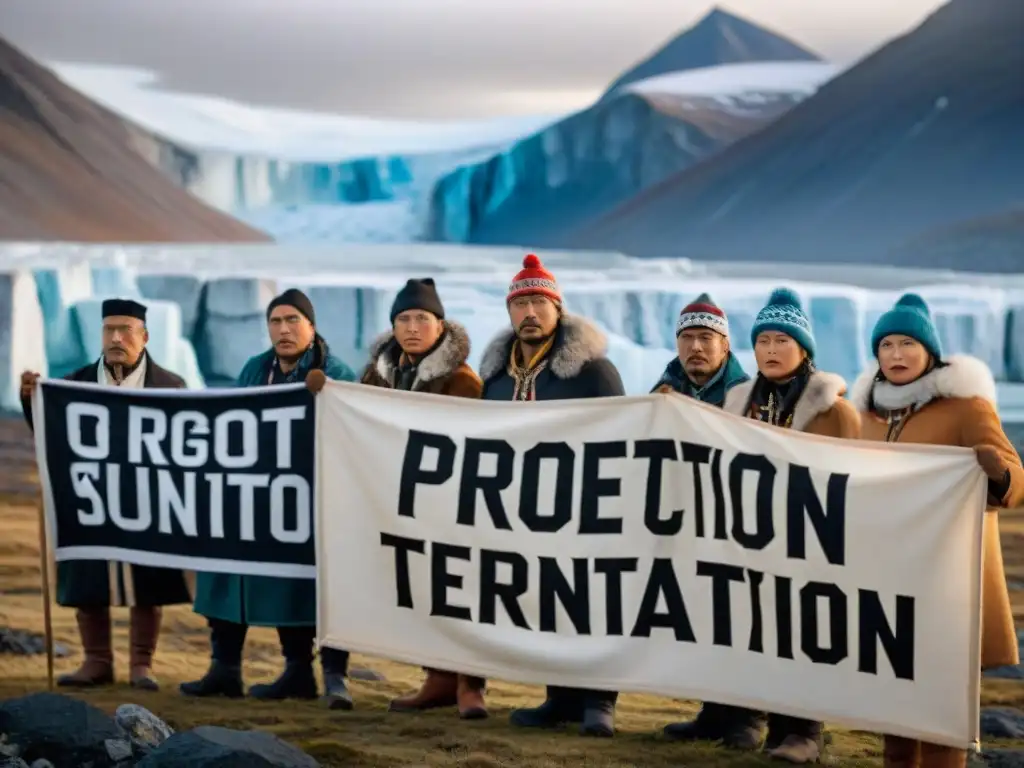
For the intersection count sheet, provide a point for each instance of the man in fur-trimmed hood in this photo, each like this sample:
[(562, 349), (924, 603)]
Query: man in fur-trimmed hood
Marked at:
[(549, 354), (424, 352)]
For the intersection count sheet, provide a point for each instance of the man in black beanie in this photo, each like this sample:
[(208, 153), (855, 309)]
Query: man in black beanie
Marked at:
[(233, 603), (424, 352), (92, 587)]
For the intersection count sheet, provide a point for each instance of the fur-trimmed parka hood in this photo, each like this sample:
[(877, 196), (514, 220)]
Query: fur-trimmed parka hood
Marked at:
[(578, 342), (819, 395), (960, 376), (441, 362)]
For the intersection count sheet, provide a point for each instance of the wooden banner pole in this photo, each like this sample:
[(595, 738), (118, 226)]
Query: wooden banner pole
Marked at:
[(44, 567)]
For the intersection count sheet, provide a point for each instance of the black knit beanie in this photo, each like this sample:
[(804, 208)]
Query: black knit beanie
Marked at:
[(293, 297), (418, 294)]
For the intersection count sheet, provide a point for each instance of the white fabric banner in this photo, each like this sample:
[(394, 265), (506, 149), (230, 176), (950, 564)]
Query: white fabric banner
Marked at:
[(654, 544)]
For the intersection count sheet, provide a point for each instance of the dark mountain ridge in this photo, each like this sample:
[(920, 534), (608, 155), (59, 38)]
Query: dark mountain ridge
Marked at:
[(924, 132), (72, 171), (718, 38)]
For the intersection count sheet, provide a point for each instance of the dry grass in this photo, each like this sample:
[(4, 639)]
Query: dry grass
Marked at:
[(369, 736)]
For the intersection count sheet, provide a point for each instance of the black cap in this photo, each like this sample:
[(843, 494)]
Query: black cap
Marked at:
[(124, 308), (293, 297), (418, 294)]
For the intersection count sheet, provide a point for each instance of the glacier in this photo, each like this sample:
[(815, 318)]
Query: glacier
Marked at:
[(307, 177), (207, 303)]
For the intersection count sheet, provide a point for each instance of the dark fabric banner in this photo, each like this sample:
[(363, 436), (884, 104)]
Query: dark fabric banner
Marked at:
[(204, 480)]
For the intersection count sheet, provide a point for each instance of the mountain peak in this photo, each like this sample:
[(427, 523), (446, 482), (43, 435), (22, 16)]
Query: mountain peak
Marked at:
[(720, 37)]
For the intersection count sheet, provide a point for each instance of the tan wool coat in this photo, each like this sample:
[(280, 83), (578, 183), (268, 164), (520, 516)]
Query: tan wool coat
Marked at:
[(956, 405), (444, 371), (821, 409)]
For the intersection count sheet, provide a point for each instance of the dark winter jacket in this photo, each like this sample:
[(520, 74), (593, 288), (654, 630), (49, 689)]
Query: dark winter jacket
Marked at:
[(268, 601), (712, 393), (442, 371), (577, 365), (99, 583), (155, 378)]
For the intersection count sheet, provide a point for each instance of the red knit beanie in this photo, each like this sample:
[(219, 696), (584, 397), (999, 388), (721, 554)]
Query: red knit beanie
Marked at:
[(702, 312), (534, 279)]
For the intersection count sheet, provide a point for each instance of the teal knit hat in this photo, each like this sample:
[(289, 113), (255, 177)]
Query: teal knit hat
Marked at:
[(785, 314), (909, 317)]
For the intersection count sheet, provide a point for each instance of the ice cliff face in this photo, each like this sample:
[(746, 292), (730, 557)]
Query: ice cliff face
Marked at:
[(207, 303), (554, 181)]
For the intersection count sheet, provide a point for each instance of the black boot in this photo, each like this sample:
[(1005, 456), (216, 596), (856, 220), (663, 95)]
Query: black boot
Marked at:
[(220, 680), (742, 728), (562, 705), (735, 727), (599, 714), (707, 726), (335, 666), (296, 682), (224, 677)]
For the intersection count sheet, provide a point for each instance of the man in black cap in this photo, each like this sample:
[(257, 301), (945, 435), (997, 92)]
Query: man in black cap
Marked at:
[(93, 586), (232, 603)]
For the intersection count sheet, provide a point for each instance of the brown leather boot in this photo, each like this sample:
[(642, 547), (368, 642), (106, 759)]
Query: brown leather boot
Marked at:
[(470, 695), (938, 756), (143, 632), (439, 689), (98, 666), (899, 752)]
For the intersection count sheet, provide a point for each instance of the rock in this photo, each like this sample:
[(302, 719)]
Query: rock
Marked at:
[(25, 643), (369, 675), (8, 761), (1002, 723), (67, 732), (1003, 758), (41, 764), (145, 730), (214, 747), (8, 750), (118, 750)]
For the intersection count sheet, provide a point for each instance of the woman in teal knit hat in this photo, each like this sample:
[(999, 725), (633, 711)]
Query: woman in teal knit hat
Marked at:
[(790, 392), (915, 394)]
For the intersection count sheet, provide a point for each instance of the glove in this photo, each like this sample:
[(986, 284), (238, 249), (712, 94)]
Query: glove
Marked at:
[(28, 383), (991, 462)]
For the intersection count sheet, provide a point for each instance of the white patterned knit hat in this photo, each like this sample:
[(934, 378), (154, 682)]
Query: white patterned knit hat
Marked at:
[(702, 312)]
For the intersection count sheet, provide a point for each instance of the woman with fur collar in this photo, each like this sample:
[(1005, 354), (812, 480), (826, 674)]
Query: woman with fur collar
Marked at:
[(790, 392), (423, 352), (914, 395)]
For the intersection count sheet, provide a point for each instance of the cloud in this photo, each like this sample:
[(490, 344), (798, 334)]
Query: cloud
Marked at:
[(409, 57)]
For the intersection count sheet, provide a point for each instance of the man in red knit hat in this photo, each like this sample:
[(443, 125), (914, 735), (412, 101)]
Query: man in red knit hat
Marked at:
[(549, 354)]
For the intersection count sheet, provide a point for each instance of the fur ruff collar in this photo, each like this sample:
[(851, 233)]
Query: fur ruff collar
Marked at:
[(452, 352), (820, 394), (962, 377), (579, 342)]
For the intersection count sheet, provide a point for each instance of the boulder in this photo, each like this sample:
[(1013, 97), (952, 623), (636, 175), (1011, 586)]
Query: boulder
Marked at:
[(145, 730), (214, 747), (67, 732), (24, 643), (1003, 758), (1002, 723)]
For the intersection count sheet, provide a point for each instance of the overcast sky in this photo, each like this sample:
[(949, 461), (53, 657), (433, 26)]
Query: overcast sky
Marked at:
[(415, 58)]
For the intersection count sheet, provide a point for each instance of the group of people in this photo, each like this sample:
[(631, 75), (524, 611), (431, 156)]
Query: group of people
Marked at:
[(913, 393)]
